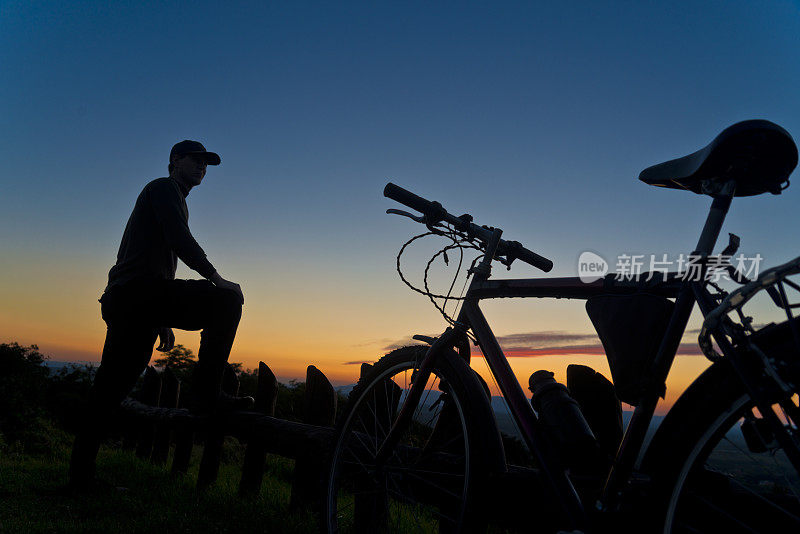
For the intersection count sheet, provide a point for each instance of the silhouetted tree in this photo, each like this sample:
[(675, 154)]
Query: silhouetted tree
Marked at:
[(182, 358), (67, 391), (23, 383), (182, 361), (177, 359), (248, 381)]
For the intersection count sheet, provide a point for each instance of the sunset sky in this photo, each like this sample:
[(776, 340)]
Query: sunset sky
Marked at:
[(537, 119)]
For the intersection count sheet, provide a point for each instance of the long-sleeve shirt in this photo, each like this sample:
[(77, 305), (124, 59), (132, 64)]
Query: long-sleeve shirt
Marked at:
[(157, 234)]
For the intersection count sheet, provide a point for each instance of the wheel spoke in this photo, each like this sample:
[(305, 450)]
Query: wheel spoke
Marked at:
[(721, 511), (431, 484), (426, 478), (723, 485), (766, 501)]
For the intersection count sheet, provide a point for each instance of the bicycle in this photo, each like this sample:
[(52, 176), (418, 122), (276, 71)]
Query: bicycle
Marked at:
[(418, 443)]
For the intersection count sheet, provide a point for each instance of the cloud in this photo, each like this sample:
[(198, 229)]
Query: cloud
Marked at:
[(406, 341), (588, 349), (558, 350), (547, 337), (689, 349), (563, 343), (392, 345), (548, 343), (372, 342), (527, 339)]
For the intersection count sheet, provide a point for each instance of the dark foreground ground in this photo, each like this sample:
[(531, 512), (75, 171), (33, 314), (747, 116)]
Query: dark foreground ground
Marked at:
[(141, 497)]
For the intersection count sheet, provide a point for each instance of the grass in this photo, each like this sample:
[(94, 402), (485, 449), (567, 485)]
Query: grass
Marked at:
[(142, 497), (151, 500)]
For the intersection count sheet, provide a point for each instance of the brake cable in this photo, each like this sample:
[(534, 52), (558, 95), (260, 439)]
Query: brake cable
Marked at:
[(459, 242)]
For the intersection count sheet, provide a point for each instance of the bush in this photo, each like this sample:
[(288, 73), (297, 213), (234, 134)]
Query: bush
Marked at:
[(182, 361), (290, 402), (23, 385), (39, 437), (67, 391), (33, 398)]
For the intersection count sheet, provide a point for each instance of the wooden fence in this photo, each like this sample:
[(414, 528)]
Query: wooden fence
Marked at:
[(155, 421)]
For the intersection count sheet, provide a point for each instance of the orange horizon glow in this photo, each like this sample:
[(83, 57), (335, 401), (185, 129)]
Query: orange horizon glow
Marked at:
[(335, 333), (342, 367)]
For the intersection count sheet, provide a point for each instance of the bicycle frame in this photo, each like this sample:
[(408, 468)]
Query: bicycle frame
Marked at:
[(471, 317)]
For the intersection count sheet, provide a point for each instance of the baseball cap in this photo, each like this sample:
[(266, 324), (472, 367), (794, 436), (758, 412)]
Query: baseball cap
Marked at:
[(194, 147)]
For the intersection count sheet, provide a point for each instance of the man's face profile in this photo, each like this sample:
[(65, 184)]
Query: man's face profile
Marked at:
[(190, 169)]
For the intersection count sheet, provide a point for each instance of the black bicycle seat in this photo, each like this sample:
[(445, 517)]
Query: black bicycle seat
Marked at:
[(759, 155)]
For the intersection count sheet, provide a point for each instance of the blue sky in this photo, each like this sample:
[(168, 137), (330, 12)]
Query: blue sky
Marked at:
[(535, 118)]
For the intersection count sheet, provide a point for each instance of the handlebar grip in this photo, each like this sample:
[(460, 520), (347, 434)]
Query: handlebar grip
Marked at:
[(403, 196), (532, 258)]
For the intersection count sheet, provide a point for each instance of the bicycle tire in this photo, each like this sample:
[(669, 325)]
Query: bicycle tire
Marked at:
[(706, 478), (436, 474)]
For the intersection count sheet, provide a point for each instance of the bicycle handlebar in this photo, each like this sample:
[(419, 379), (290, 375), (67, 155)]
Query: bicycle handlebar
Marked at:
[(407, 198), (434, 212)]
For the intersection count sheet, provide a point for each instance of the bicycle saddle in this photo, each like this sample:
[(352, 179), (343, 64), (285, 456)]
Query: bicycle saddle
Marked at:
[(759, 155)]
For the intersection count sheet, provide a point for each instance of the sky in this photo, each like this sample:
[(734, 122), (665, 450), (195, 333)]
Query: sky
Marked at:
[(535, 118)]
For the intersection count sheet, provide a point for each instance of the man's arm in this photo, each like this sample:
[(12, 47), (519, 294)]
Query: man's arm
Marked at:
[(167, 205)]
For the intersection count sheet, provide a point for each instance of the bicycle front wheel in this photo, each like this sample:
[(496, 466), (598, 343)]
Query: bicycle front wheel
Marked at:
[(433, 477), (715, 466)]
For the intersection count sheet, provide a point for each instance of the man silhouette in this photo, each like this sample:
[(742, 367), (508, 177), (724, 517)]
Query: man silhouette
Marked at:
[(143, 300)]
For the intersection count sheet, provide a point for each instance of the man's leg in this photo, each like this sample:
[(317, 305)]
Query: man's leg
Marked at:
[(126, 352), (199, 305), (133, 314)]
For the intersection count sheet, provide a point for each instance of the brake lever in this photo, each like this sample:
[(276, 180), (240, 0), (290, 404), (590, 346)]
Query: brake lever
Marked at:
[(506, 260), (420, 219), (393, 211), (510, 256)]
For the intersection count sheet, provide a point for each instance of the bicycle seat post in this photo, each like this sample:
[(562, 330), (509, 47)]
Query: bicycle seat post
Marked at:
[(643, 414), (715, 219)]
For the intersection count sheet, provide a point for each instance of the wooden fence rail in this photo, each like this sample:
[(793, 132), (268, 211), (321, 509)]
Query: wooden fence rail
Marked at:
[(155, 421)]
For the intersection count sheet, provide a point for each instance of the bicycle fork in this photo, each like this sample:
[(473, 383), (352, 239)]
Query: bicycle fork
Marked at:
[(445, 341), (418, 381)]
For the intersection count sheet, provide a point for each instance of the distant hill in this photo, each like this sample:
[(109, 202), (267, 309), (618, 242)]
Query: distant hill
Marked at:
[(506, 424), (56, 365)]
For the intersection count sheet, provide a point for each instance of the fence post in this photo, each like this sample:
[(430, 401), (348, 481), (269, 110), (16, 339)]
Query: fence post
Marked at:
[(212, 450), (371, 510), (230, 382), (365, 369), (130, 433), (255, 455), (310, 471), (184, 442), (170, 390), (151, 391)]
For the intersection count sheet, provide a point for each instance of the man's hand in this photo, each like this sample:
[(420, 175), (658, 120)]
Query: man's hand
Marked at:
[(167, 339), (221, 283)]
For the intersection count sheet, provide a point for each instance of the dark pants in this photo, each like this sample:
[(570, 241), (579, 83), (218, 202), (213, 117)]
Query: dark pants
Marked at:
[(133, 314)]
